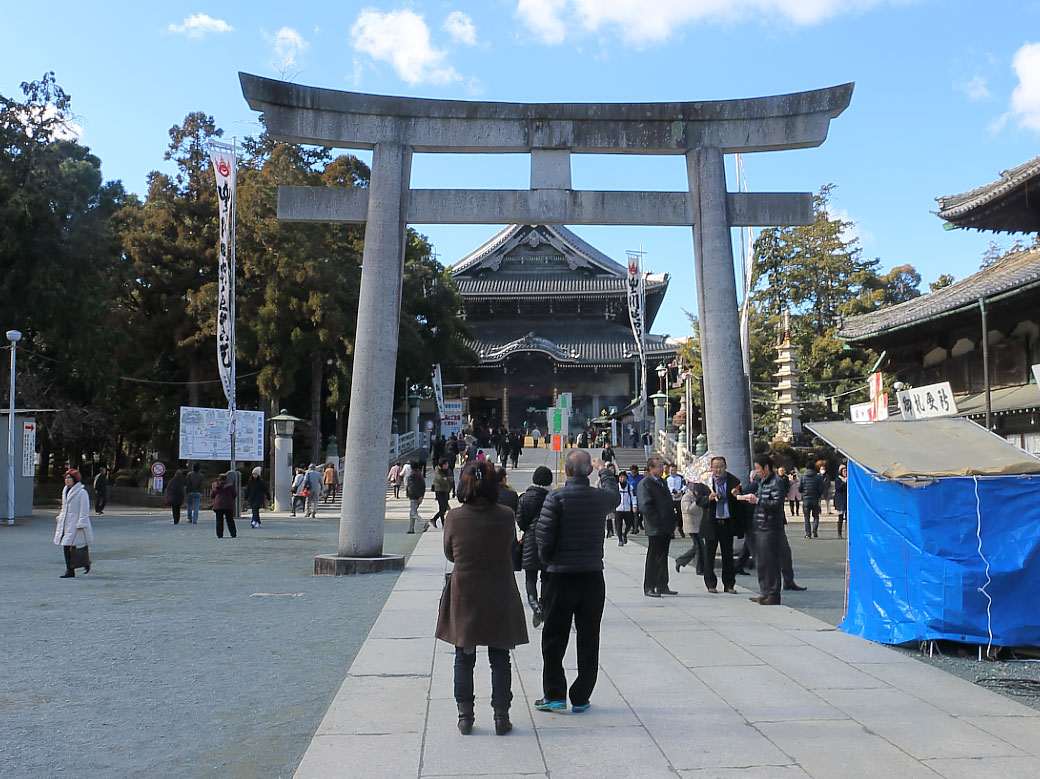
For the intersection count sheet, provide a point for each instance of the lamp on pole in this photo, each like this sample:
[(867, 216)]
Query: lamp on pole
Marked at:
[(662, 371), (283, 424), (14, 337)]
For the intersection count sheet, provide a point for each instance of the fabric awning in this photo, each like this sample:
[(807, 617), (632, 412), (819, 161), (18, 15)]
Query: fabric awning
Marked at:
[(926, 448)]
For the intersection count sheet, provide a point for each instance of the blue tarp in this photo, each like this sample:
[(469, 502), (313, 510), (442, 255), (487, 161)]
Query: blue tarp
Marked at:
[(917, 571)]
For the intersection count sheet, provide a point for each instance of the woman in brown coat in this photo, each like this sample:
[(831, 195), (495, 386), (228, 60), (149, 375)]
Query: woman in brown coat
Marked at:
[(481, 605)]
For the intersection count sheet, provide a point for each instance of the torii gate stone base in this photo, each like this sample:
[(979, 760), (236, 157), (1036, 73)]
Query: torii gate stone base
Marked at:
[(394, 127)]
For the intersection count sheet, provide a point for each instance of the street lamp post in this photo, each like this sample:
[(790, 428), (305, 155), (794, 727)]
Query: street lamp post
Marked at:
[(14, 337), (284, 424)]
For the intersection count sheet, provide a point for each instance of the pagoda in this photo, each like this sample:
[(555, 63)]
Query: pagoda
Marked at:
[(549, 314), (788, 423)]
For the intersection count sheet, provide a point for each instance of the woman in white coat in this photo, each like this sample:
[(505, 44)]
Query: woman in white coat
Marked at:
[(73, 524)]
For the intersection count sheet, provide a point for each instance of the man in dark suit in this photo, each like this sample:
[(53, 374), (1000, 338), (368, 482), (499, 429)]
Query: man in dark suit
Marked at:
[(723, 519), (655, 503)]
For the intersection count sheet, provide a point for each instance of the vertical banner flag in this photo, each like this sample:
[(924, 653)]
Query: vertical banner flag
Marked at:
[(224, 168), (636, 314), (438, 390)]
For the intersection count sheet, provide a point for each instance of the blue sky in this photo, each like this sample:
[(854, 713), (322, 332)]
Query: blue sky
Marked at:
[(947, 93)]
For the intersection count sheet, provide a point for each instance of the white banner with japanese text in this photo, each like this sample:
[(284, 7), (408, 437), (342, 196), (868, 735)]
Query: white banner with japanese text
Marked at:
[(224, 168), (933, 400), (637, 316)]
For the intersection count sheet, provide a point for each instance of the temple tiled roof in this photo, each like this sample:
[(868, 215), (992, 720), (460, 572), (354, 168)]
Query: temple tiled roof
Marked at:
[(1011, 204), (1013, 273), (562, 234), (584, 344), (497, 286)]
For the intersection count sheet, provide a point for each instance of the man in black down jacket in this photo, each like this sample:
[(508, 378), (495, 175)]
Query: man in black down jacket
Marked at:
[(655, 502), (811, 486), (769, 527), (569, 533)]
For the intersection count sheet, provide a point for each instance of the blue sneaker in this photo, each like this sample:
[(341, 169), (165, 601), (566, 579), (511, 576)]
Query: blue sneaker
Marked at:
[(543, 704), (581, 708)]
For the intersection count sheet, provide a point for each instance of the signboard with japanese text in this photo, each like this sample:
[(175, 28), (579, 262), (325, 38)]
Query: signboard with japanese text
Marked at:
[(29, 448), (451, 419), (565, 401), (559, 421), (880, 406), (876, 381), (205, 434), (933, 400), (862, 412)]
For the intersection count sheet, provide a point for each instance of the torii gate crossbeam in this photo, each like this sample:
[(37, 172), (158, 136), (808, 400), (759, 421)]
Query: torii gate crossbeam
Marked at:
[(395, 127)]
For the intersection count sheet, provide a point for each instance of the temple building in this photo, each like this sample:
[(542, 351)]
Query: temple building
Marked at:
[(982, 333), (549, 315)]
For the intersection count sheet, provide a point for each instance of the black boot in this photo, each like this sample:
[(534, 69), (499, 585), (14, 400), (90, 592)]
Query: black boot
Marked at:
[(466, 718), (536, 613), (502, 723), (69, 574)]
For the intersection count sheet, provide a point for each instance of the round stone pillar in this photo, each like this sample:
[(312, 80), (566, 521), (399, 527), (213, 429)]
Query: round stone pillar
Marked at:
[(366, 450), (725, 390)]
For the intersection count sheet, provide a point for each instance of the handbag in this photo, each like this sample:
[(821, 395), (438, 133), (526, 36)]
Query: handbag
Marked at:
[(516, 554), (303, 493), (79, 557)]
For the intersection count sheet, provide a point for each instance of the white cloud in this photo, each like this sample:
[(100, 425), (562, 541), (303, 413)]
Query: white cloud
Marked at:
[(287, 46), (975, 88), (648, 21), (1025, 100), (402, 39), (199, 25), (543, 18), (460, 28)]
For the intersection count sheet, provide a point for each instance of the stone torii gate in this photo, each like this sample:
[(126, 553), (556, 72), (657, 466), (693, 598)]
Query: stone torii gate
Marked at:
[(395, 127)]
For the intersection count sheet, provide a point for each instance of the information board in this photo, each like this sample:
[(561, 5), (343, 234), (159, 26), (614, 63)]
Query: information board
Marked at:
[(205, 434), (451, 420), (29, 448)]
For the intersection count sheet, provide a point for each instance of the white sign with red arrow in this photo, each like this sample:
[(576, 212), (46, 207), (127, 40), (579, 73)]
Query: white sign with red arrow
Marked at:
[(29, 449)]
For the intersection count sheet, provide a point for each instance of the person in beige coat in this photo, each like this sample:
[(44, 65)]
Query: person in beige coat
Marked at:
[(481, 605), (73, 526)]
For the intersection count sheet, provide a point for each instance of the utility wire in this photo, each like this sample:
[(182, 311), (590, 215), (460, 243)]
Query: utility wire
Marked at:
[(131, 378)]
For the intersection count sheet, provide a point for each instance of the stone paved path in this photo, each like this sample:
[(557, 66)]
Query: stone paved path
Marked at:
[(692, 685)]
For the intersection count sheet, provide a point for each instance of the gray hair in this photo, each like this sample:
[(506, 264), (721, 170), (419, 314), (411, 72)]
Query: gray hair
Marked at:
[(578, 463)]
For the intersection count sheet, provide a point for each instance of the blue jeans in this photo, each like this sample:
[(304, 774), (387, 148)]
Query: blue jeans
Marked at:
[(193, 506)]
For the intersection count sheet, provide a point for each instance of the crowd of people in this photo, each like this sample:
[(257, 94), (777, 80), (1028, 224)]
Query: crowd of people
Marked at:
[(560, 549)]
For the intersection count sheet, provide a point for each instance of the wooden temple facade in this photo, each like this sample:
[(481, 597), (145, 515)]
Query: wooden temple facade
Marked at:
[(939, 336), (549, 315)]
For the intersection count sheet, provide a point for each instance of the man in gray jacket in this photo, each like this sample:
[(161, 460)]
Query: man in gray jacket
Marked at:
[(569, 533)]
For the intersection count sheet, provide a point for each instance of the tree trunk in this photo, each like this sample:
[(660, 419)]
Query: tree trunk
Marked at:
[(316, 376)]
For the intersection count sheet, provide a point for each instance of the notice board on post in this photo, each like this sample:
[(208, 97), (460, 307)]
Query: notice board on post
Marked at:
[(205, 434)]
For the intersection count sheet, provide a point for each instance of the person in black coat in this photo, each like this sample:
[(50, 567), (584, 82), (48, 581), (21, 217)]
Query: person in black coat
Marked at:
[(569, 532), (841, 495), (719, 531), (812, 486), (528, 509), (655, 504), (257, 495), (768, 499)]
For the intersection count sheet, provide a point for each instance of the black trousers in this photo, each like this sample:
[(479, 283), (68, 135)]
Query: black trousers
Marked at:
[(724, 543), (768, 560), (747, 558), (531, 585), (442, 506), (694, 554), (786, 561), (568, 597), (225, 515), (677, 507), (655, 573), (623, 524), (176, 512), (501, 676), (100, 501)]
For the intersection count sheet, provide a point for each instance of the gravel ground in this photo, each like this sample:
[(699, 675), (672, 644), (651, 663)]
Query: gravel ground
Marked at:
[(179, 654)]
